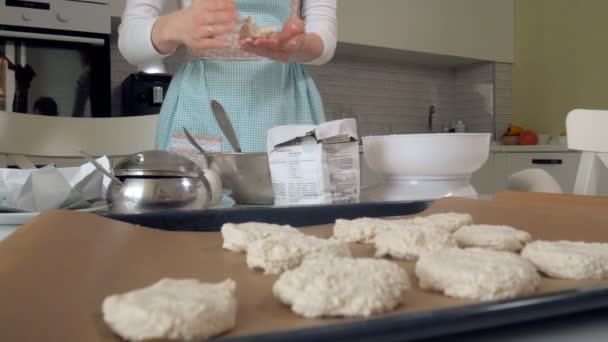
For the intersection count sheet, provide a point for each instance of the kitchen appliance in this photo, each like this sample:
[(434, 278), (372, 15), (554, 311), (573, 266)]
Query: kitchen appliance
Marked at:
[(55, 57), (424, 166), (158, 180), (144, 93)]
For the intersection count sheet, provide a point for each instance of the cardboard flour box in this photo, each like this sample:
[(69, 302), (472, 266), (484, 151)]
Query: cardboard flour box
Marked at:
[(315, 164)]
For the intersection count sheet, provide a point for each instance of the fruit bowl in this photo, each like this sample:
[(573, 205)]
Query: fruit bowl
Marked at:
[(427, 156)]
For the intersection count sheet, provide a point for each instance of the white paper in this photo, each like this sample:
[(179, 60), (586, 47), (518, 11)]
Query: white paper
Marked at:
[(37, 190), (315, 164)]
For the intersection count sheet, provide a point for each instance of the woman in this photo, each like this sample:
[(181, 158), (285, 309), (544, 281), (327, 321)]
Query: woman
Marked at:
[(261, 83)]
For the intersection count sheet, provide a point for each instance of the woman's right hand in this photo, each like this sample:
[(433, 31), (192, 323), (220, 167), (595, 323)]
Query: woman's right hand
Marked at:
[(197, 26)]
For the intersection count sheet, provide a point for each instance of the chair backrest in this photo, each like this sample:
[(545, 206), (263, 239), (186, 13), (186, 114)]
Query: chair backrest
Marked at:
[(63, 137), (587, 130)]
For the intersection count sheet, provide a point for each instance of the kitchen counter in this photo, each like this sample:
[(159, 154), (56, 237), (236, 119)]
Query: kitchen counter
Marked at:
[(529, 148)]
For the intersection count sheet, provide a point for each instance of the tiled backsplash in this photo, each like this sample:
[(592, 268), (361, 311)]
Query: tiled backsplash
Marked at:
[(394, 98), (389, 97)]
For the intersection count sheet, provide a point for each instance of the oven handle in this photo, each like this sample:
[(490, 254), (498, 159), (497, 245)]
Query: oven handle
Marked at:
[(55, 37)]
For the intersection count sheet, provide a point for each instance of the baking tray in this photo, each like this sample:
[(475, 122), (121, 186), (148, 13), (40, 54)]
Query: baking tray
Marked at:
[(62, 264), (408, 327), (298, 216)]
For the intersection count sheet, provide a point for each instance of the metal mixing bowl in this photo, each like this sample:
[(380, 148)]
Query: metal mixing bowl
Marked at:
[(247, 175)]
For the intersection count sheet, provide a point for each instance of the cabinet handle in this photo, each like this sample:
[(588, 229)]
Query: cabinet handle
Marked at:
[(547, 161)]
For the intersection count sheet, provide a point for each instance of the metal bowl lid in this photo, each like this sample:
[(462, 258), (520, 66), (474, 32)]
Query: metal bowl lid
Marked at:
[(157, 163)]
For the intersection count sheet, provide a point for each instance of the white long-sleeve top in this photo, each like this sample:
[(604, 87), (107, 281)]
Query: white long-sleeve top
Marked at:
[(135, 31)]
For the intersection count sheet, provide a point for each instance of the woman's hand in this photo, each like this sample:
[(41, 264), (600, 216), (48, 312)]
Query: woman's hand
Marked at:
[(293, 43), (196, 27)]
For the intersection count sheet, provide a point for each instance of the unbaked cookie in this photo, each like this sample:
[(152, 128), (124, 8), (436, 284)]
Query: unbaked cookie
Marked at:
[(237, 237), (448, 221), (500, 238), (185, 309), (409, 242), (477, 273), (281, 252), (363, 229), (569, 259), (342, 287)]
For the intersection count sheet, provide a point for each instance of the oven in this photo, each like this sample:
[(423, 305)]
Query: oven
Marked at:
[(55, 57)]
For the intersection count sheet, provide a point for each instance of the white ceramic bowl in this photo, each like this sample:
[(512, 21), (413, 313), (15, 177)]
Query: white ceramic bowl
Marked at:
[(427, 156)]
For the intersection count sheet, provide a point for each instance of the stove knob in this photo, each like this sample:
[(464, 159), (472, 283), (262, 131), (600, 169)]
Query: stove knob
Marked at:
[(63, 17), (26, 17)]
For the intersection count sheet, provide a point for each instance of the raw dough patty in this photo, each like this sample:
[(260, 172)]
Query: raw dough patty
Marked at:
[(281, 252), (251, 29), (569, 259), (363, 229), (449, 221), (500, 238), (411, 241), (237, 237), (477, 273), (183, 309), (342, 287)]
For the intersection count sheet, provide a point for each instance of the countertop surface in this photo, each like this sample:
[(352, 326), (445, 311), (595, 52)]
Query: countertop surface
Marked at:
[(529, 148)]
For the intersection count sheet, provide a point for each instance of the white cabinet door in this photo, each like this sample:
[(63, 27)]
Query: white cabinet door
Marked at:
[(476, 29), (561, 165)]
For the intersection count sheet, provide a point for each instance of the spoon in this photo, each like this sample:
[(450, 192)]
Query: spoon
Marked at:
[(99, 167), (197, 146), (226, 126)]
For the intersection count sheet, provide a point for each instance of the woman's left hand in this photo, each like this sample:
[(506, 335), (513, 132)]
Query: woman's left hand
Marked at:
[(282, 46)]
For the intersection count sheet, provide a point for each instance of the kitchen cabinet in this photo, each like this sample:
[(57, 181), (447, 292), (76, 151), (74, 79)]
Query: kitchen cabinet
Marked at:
[(473, 29), (118, 6), (563, 166), (494, 175)]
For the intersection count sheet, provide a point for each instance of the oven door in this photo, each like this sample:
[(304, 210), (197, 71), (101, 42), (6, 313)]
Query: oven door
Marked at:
[(51, 72)]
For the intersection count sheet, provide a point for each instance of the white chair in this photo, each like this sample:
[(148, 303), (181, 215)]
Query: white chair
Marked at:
[(586, 133), (27, 139)]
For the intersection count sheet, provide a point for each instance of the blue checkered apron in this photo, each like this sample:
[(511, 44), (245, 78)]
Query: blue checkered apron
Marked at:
[(257, 93)]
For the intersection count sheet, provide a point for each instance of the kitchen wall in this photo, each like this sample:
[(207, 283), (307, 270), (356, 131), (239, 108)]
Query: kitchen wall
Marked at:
[(561, 55), (388, 97)]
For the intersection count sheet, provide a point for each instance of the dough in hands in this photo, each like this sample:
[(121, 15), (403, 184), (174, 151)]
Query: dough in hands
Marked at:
[(448, 221), (409, 242), (252, 30), (476, 273), (569, 259), (281, 252), (363, 229), (342, 287), (237, 237), (500, 238), (185, 309)]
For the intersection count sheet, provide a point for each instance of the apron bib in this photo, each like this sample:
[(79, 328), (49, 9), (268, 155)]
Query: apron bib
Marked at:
[(256, 92)]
